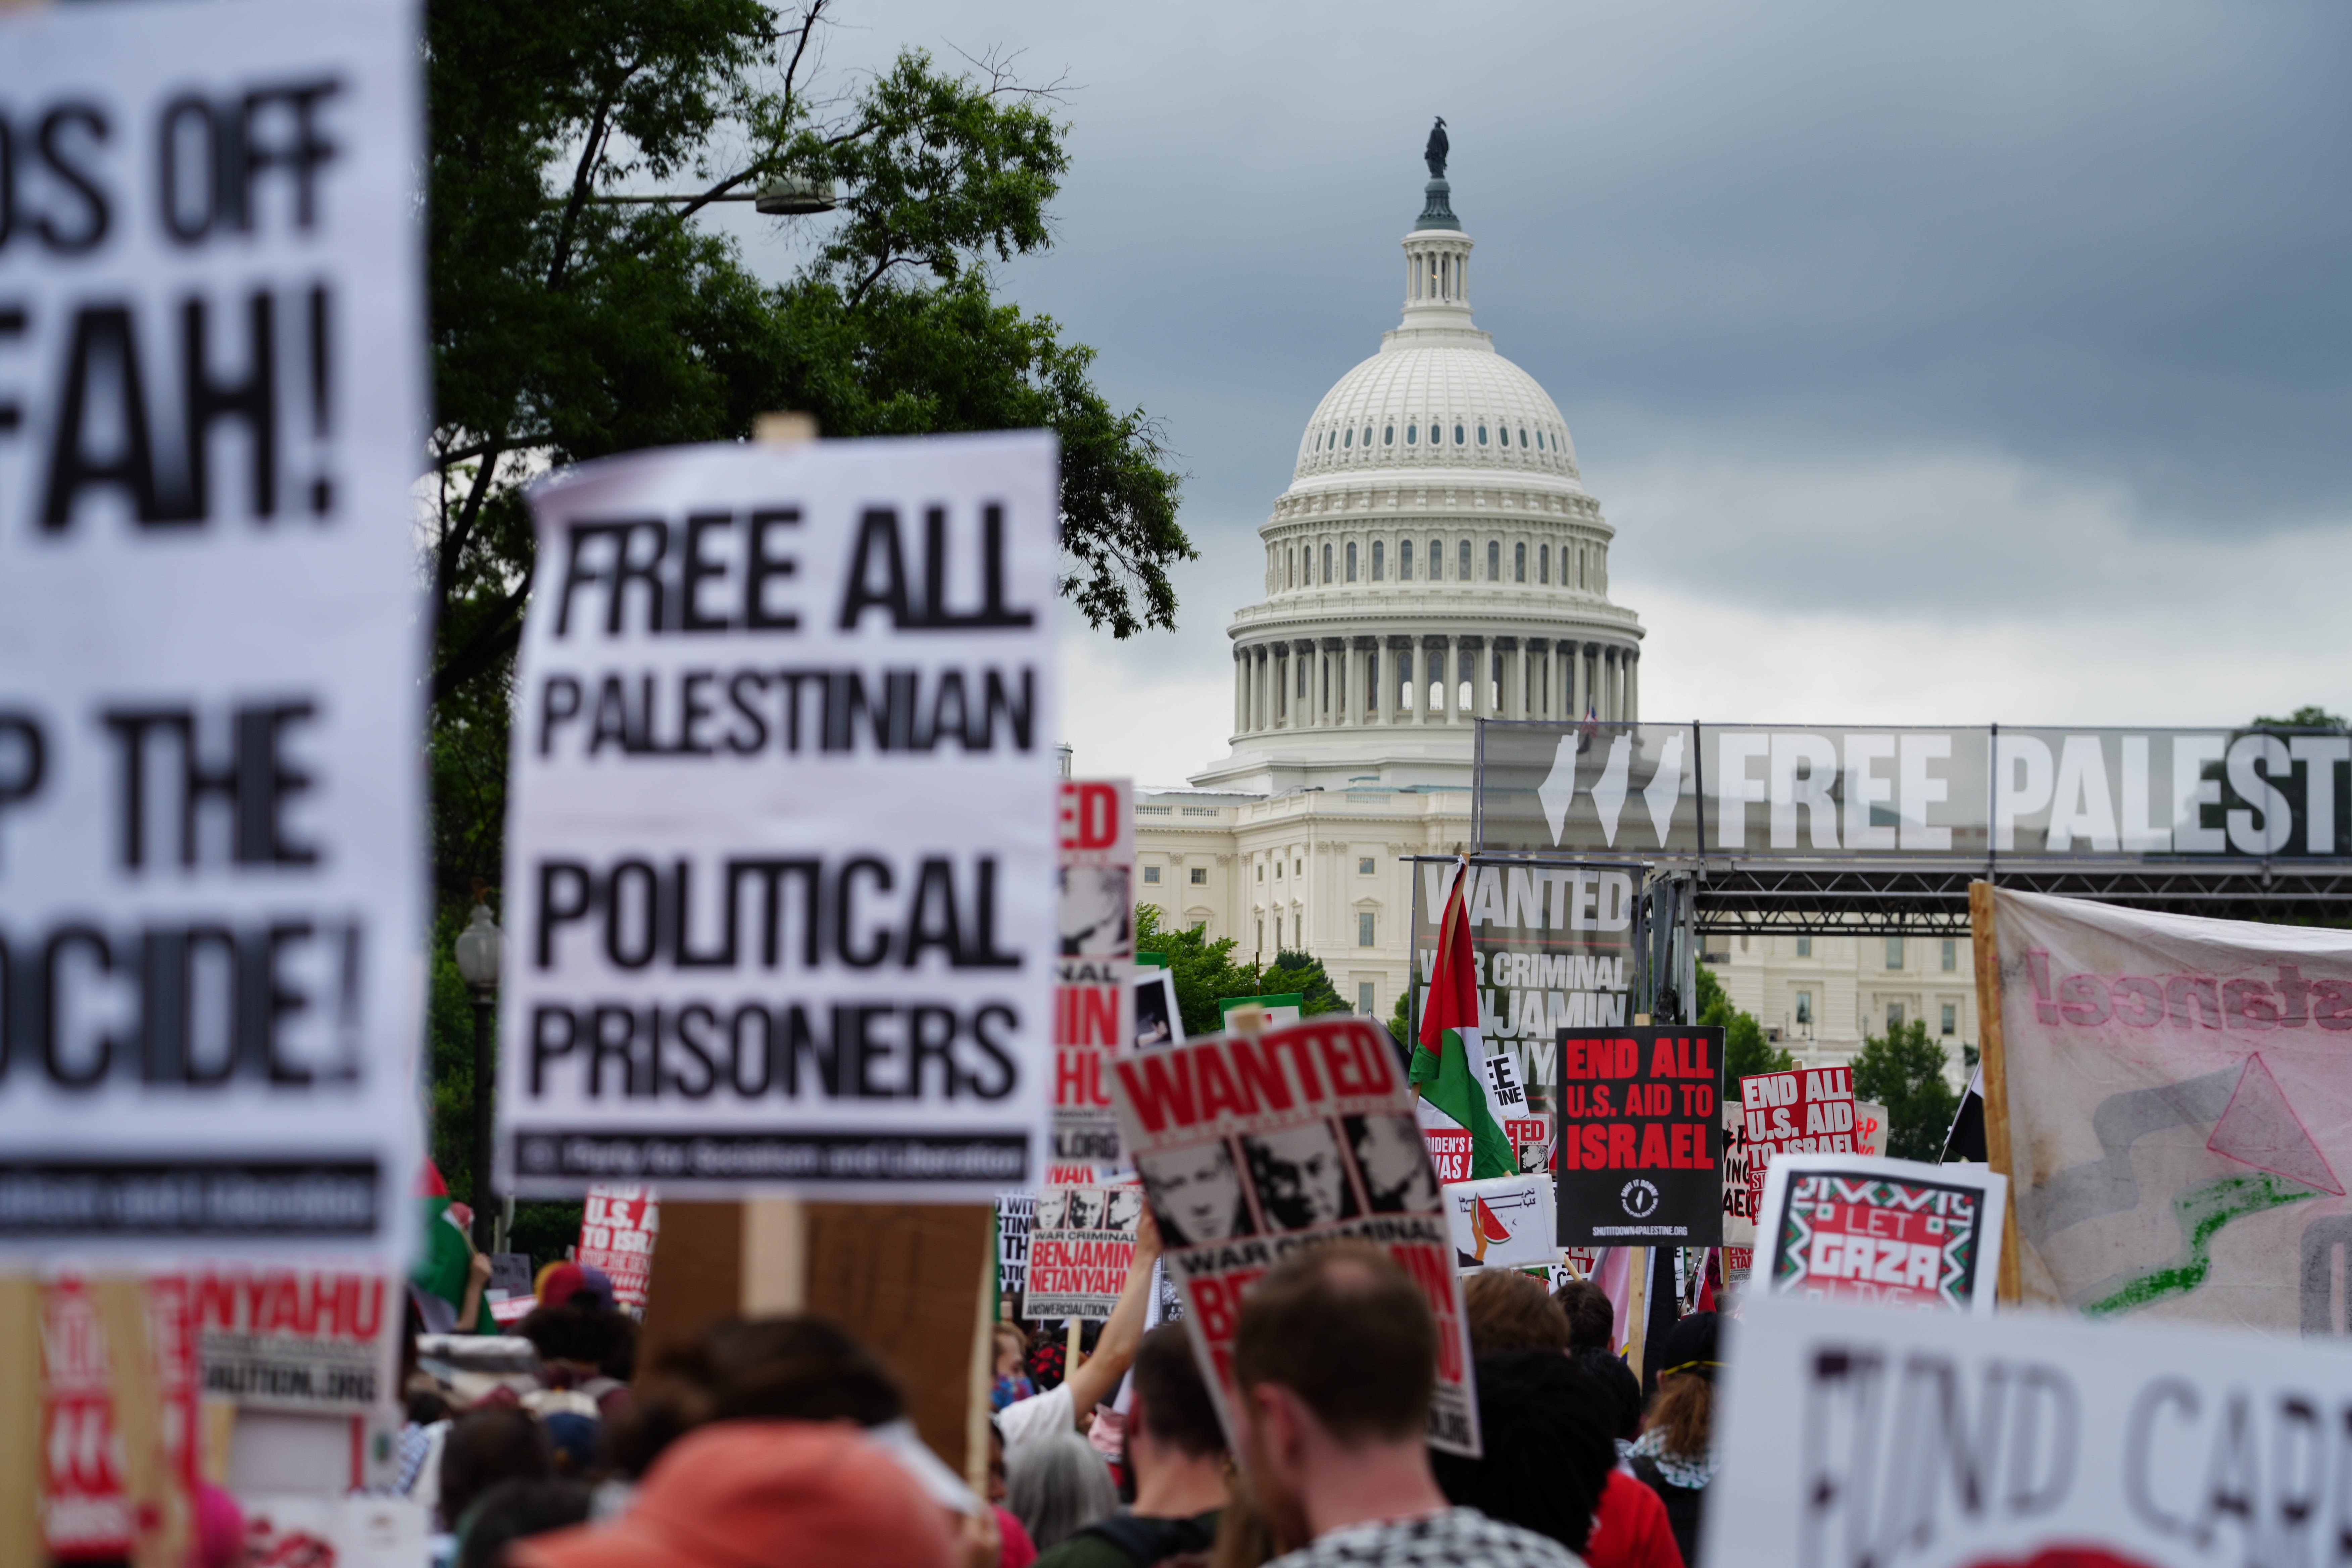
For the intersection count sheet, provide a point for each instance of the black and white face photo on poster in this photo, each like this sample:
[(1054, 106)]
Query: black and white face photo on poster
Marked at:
[(1300, 1179), (1394, 1164), (212, 355), (1122, 1206), (1082, 1209), (1155, 1010), (1097, 920), (1197, 1194), (783, 822)]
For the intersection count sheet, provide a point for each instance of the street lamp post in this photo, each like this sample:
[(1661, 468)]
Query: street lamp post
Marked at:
[(479, 950)]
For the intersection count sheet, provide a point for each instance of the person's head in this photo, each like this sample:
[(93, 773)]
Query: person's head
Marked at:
[(761, 1494), (1056, 1486), (1198, 1194), (1545, 1429), (1173, 1418), (427, 1404), (1509, 1310), (1012, 1348), (1082, 1210), (1617, 1385), (1684, 1408), (486, 1447), (1394, 1161), (1299, 1178), (516, 1511), (796, 1368), (1335, 1354), (579, 1334), (1591, 1321)]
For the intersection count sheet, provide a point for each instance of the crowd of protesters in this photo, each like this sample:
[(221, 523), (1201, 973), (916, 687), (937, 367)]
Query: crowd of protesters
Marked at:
[(785, 1440)]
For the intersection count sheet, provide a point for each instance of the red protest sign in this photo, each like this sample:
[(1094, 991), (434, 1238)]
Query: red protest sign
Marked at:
[(1806, 1111), (618, 1226), (1640, 1138)]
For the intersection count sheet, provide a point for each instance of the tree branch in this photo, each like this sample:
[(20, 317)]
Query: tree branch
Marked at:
[(454, 538), (498, 637)]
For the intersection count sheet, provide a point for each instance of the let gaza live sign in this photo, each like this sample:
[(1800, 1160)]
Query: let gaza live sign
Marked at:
[(781, 840), (210, 391)]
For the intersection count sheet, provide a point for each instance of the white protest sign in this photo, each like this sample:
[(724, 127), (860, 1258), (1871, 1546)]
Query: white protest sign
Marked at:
[(1502, 1221), (1080, 1248), (211, 363), (1900, 1233), (782, 824), (1876, 1439), (1092, 1009)]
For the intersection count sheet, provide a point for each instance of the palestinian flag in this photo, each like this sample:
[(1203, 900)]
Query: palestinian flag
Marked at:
[(444, 1253), (1457, 1093)]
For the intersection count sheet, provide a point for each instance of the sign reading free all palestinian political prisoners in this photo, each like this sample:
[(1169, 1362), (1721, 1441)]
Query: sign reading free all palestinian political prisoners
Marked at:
[(1641, 1138), (2179, 1122), (782, 842), (1252, 1146), (1900, 1233), (211, 398), (1877, 1439), (1080, 1246)]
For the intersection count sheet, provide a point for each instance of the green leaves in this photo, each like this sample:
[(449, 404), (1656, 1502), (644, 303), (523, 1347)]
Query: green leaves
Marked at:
[(1905, 1073), (1745, 1048)]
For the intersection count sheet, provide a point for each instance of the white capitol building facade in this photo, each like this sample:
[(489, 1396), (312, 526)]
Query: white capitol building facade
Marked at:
[(1435, 560)]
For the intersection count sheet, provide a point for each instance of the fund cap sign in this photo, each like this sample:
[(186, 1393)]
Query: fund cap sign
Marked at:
[(1762, 791)]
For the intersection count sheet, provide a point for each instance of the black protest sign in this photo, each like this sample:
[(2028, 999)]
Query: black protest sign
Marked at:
[(1641, 1138), (211, 386)]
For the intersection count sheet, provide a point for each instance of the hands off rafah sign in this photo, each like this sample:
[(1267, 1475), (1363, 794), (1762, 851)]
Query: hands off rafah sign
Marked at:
[(782, 826), (210, 400)]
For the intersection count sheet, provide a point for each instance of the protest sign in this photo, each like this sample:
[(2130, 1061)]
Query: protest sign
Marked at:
[(2167, 1097), (1876, 1439), (1899, 1232), (1641, 1151), (782, 823), (1159, 1021), (1079, 1248), (1016, 1215), (1739, 1199), (1253, 1145), (1285, 1008), (1807, 1110), (1548, 944), (1502, 1221), (86, 1506), (310, 1340), (618, 1227), (1869, 1128), (1093, 1006), (211, 356)]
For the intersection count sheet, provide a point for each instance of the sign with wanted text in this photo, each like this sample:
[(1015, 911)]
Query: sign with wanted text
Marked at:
[(782, 823), (211, 384)]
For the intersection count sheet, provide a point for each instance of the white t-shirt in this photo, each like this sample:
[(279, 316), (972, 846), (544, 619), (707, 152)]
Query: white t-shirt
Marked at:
[(1038, 1415)]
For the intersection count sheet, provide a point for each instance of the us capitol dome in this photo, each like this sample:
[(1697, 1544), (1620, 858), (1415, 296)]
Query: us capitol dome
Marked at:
[(1435, 560)]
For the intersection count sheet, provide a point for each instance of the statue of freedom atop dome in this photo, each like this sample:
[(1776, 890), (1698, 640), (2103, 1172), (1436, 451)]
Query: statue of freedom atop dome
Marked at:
[(1434, 154)]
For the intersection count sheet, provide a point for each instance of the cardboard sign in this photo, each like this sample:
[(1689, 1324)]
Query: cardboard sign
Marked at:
[(306, 1340), (1502, 1221), (1093, 1006), (1874, 1439), (2204, 1061), (1017, 1214), (1869, 1128), (782, 824), (211, 391), (85, 1511), (1159, 1020), (1899, 1232), (1287, 1009), (1739, 1199), (1807, 1109), (618, 1227), (1079, 1248), (1641, 1138), (1251, 1146)]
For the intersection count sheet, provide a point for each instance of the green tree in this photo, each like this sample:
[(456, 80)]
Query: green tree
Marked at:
[(1204, 969), (2309, 717), (1904, 1071), (1745, 1048), (1302, 973)]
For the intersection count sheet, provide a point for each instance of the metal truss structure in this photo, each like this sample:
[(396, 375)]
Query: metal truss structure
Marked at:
[(1754, 897)]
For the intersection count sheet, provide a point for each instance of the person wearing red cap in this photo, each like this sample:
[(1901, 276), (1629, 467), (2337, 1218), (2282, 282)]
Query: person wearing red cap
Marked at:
[(749, 1494)]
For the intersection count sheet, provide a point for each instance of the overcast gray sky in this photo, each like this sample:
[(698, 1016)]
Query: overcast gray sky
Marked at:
[(1933, 364)]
